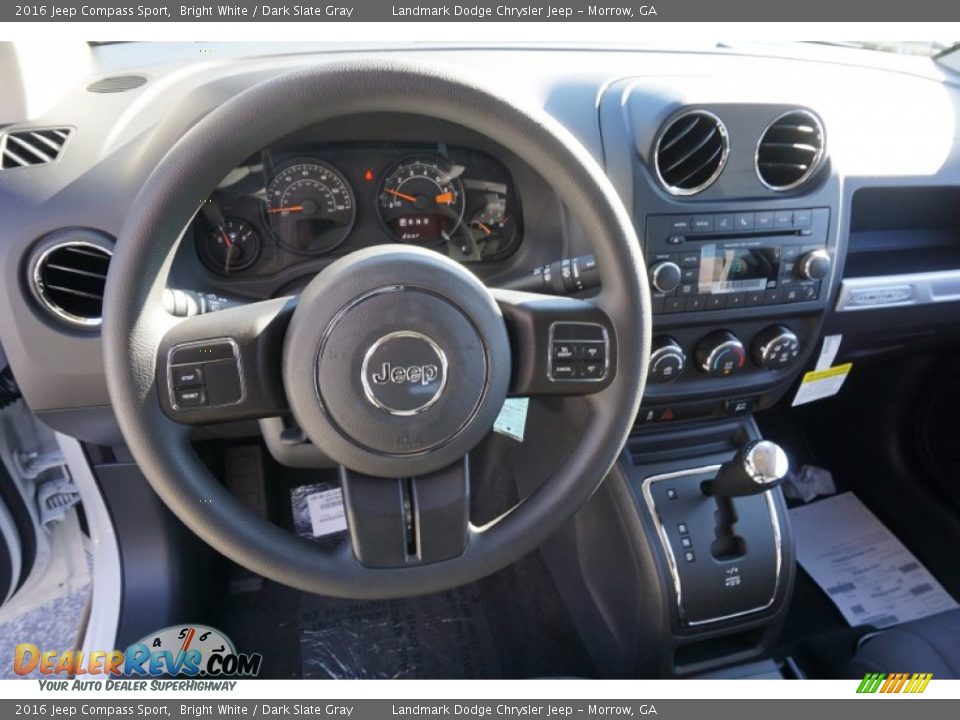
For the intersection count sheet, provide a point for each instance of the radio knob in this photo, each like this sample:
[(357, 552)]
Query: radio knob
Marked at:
[(665, 276), (720, 354), (814, 265), (666, 361), (775, 347)]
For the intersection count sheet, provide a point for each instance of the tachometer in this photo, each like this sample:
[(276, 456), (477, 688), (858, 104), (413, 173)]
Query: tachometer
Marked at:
[(421, 200), (310, 206)]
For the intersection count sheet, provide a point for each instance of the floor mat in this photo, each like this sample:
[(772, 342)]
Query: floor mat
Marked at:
[(445, 635)]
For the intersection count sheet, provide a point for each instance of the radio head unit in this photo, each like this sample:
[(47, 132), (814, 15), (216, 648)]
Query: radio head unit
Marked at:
[(731, 260)]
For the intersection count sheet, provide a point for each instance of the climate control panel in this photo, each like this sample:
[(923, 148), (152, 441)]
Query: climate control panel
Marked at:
[(721, 354)]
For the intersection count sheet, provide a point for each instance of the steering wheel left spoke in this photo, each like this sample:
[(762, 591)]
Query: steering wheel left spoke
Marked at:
[(225, 366)]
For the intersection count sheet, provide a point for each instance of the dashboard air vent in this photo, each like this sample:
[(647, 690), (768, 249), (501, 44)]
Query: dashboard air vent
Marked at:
[(26, 148), (117, 83), (691, 152), (790, 150), (68, 279)]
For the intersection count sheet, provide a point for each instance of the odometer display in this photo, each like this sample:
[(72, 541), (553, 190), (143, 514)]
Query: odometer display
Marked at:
[(310, 207)]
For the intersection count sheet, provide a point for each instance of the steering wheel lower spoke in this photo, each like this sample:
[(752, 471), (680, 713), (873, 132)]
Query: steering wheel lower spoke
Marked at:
[(225, 365), (560, 345), (408, 521)]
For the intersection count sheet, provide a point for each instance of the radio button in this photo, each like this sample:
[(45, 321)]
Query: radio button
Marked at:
[(792, 294), (716, 302), (790, 252), (674, 304), (656, 304), (810, 291), (735, 300), (724, 223), (686, 290), (696, 303), (763, 220), (689, 259), (754, 297), (815, 265), (783, 219), (675, 240), (688, 275), (702, 223), (744, 221), (773, 297), (665, 277)]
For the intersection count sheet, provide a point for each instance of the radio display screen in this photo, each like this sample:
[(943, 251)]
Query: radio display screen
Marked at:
[(725, 269)]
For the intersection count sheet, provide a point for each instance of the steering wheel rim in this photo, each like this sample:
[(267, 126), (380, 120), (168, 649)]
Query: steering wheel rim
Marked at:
[(134, 324)]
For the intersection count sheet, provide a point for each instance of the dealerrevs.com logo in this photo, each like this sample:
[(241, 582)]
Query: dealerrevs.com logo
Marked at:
[(192, 651)]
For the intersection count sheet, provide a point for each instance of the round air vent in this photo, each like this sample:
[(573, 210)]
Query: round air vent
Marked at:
[(790, 150), (691, 152), (116, 83), (67, 276)]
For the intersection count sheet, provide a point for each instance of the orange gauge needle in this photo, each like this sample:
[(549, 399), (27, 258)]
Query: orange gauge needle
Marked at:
[(485, 229), (402, 196), (444, 199), (289, 208)]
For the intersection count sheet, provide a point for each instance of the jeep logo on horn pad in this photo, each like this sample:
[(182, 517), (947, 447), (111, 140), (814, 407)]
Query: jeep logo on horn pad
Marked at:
[(404, 373)]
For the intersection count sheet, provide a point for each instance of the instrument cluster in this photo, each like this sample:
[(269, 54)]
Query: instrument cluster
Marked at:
[(279, 208)]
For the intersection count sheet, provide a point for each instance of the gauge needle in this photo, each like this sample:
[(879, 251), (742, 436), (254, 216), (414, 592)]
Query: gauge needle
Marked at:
[(288, 208), (485, 229), (226, 239), (444, 199), (402, 196)]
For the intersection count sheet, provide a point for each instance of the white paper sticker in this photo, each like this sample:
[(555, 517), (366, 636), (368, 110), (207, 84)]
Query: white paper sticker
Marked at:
[(512, 420), (818, 384), (831, 345), (326, 512), (867, 572)]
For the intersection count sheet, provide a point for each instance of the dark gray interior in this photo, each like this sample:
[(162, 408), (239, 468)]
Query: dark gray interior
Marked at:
[(650, 244)]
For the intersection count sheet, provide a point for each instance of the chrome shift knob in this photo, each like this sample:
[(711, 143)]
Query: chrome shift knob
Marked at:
[(758, 466)]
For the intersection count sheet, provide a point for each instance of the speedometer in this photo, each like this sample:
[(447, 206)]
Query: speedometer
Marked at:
[(310, 207), (421, 200)]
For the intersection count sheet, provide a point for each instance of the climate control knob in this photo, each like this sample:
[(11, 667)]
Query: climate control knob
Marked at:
[(667, 360), (775, 347), (665, 276), (814, 265), (720, 354)]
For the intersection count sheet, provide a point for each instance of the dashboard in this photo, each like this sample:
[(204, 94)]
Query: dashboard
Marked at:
[(749, 266)]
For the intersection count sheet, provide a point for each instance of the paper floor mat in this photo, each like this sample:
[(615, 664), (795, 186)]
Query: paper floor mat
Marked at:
[(865, 570)]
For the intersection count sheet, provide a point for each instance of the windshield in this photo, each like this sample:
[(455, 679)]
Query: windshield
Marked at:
[(924, 48)]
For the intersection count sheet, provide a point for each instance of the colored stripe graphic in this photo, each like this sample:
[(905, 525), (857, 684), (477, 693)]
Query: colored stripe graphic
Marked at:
[(913, 683)]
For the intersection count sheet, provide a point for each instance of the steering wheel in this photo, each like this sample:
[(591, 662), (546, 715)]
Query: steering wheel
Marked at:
[(395, 361)]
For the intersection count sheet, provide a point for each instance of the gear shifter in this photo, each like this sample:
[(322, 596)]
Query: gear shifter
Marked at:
[(758, 466)]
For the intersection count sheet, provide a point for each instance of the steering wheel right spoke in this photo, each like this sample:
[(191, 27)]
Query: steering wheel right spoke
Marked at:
[(225, 366)]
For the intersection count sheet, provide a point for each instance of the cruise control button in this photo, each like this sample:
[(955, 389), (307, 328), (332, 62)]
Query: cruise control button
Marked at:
[(191, 397), (565, 351), (187, 377), (591, 370), (593, 351), (564, 370)]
